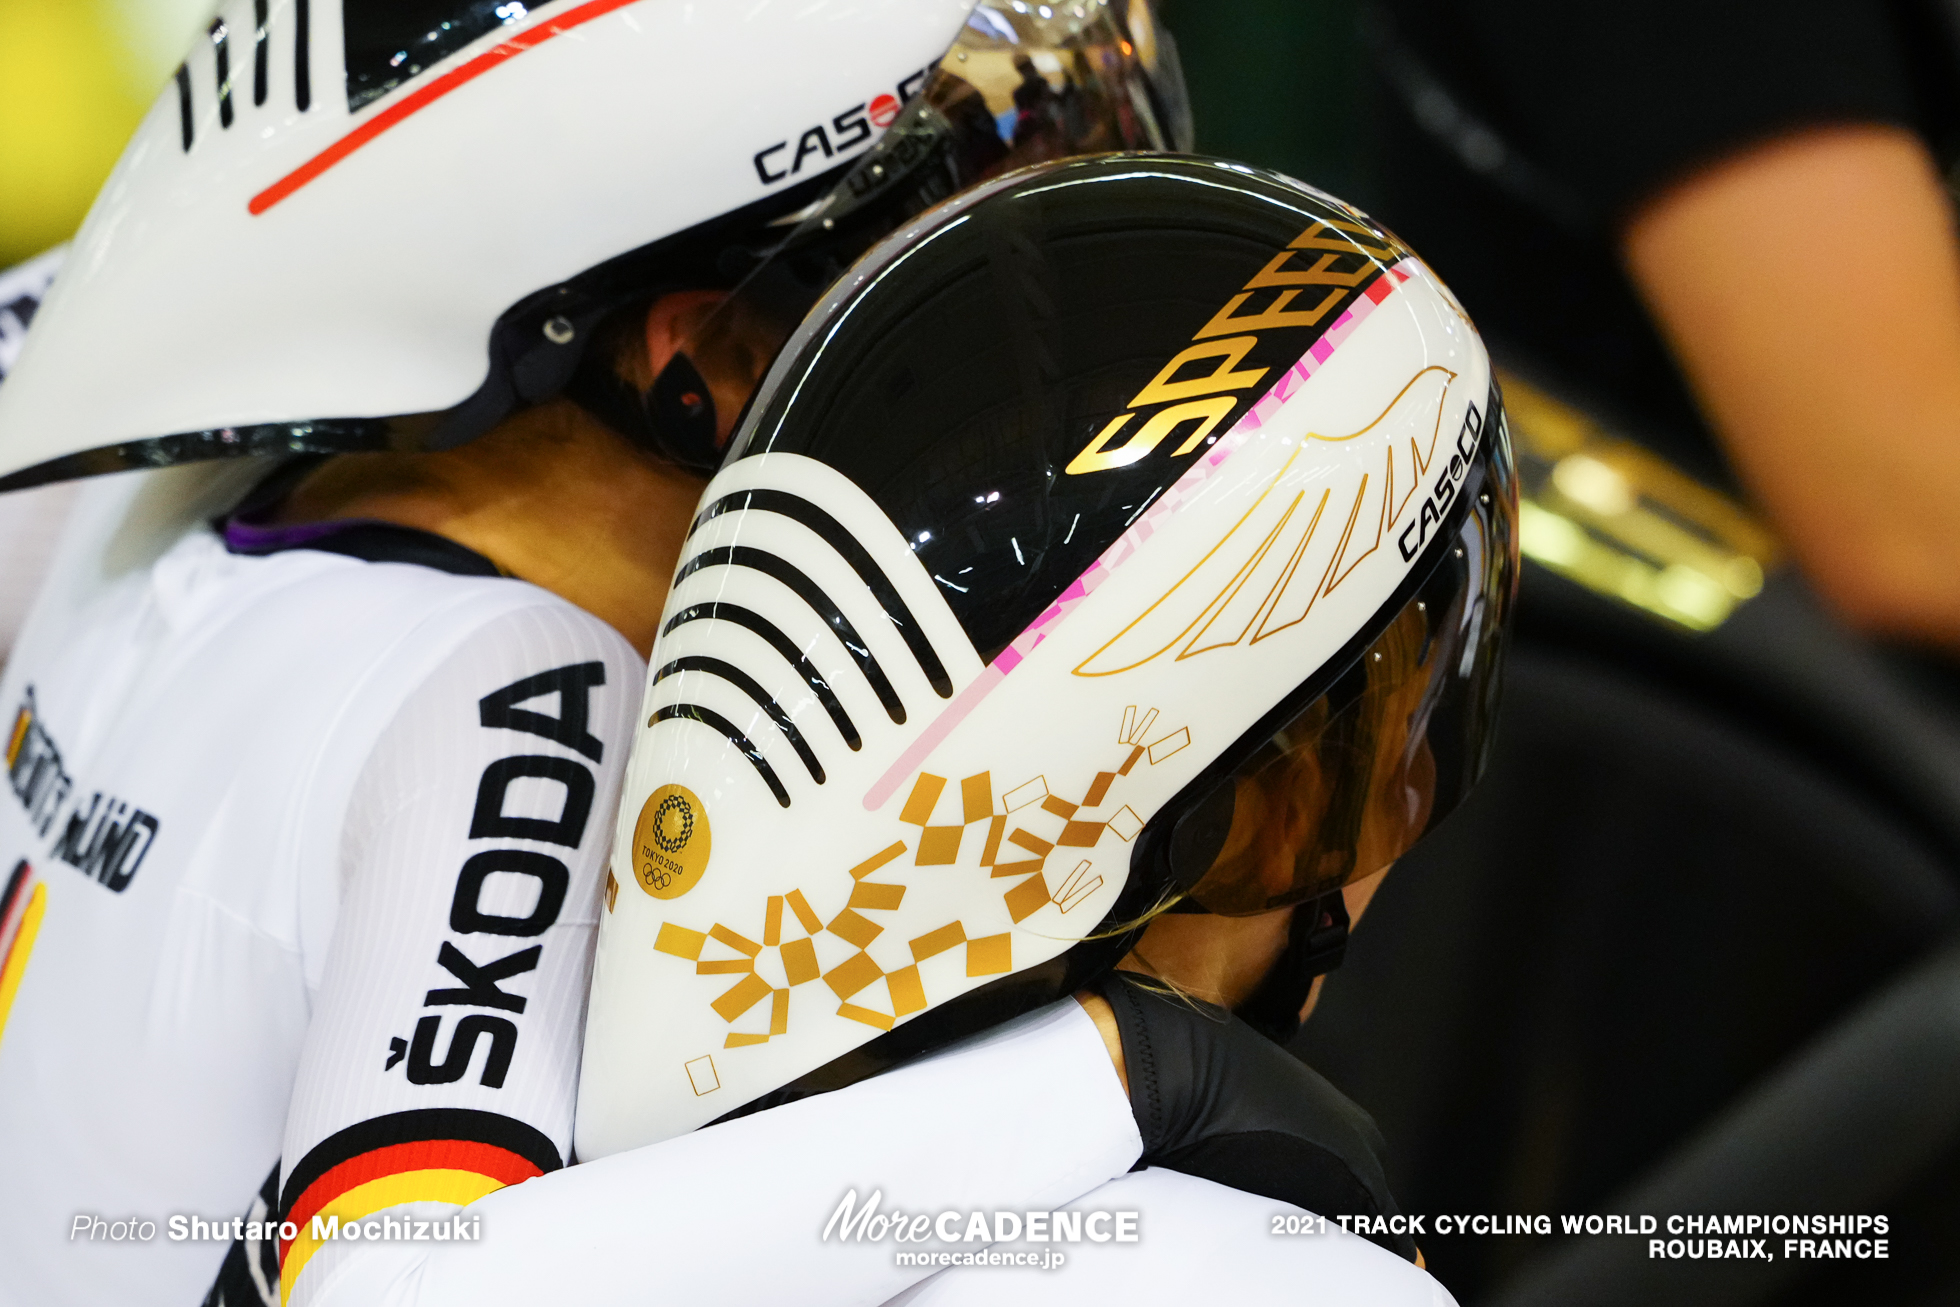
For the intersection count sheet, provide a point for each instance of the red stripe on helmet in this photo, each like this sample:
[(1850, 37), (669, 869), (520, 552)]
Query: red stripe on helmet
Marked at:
[(428, 95)]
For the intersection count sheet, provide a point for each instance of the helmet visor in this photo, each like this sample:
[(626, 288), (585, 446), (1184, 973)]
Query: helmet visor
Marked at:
[(1387, 749), (1016, 89)]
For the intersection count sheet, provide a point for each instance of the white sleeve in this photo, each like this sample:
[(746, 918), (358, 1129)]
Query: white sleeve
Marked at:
[(1030, 1115), (441, 1060), (1195, 1241)]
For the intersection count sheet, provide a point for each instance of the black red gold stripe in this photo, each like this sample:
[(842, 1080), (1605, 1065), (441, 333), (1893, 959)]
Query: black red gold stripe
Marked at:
[(22, 904), (447, 1155)]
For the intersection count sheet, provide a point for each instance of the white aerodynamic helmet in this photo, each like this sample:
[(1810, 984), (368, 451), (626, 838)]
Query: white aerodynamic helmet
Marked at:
[(385, 224), (1126, 532)]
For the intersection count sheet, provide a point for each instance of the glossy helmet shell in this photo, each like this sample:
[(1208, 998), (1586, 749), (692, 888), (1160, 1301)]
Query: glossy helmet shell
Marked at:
[(1102, 489)]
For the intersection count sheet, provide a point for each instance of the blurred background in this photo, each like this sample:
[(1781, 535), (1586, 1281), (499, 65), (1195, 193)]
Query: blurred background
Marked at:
[(1690, 948), (75, 77), (1278, 83)]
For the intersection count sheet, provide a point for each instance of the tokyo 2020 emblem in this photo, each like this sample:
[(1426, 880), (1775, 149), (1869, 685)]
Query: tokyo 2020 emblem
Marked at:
[(671, 842)]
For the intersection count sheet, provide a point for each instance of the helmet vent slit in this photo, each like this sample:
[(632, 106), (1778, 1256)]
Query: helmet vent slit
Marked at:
[(302, 56), (221, 43), (184, 104), (259, 37)]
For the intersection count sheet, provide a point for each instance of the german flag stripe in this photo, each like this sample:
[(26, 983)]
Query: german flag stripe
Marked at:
[(499, 1164), (449, 1155), (13, 895), (13, 963), (22, 721), (459, 1187), (419, 1126)]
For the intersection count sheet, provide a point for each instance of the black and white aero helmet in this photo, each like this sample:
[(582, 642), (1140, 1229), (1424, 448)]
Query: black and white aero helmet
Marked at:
[(1128, 534)]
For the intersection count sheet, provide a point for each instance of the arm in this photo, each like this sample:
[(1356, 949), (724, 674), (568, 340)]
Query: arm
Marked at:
[(441, 1058), (441, 1064), (1196, 1242), (1811, 290), (1027, 1117)]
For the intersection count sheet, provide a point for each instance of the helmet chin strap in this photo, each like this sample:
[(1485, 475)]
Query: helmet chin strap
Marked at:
[(1316, 942)]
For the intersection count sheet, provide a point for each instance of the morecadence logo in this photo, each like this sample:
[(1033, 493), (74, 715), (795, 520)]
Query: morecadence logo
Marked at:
[(867, 1221)]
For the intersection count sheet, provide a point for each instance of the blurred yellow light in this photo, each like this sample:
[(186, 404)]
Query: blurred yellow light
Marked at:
[(69, 98), (1550, 538), (1623, 523), (1592, 483)]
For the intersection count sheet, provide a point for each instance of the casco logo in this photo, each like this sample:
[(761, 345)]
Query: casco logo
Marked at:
[(671, 842), (1309, 281), (1443, 490), (841, 135)]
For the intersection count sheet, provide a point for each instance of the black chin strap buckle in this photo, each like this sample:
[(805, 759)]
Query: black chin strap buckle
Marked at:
[(1316, 943), (1320, 934)]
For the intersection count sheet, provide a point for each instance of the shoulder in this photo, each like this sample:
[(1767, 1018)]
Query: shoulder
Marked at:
[(318, 619), (514, 672), (500, 752)]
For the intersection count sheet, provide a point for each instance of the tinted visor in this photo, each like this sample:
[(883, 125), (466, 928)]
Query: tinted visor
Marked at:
[(1016, 89), (1366, 759)]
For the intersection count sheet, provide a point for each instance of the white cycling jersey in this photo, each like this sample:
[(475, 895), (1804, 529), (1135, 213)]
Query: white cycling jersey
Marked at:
[(296, 845)]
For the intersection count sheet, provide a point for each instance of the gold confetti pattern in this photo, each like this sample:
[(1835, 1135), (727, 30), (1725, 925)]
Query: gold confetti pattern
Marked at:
[(1014, 835)]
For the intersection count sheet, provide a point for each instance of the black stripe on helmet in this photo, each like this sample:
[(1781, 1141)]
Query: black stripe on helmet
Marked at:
[(259, 37), (742, 681), (694, 712), (221, 40), (833, 533), (761, 560), (783, 645)]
